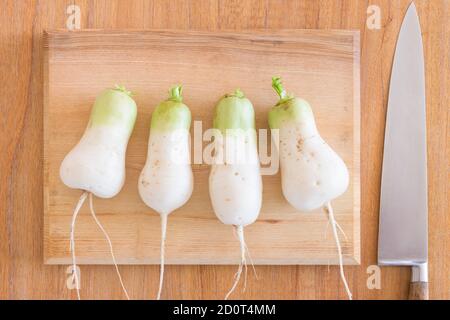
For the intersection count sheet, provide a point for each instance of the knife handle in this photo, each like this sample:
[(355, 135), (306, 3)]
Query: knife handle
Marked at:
[(418, 288), (418, 291)]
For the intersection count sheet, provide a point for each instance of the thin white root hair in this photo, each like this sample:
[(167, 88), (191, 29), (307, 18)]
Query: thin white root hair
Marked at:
[(339, 227), (251, 262), (91, 206), (163, 241), (72, 241), (245, 264), (342, 231), (328, 209), (247, 252), (326, 229), (237, 276), (245, 277)]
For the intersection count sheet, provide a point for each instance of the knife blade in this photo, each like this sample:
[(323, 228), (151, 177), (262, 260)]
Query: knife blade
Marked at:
[(403, 225)]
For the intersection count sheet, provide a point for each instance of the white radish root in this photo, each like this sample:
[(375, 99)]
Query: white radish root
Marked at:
[(91, 206), (72, 241), (235, 184), (237, 276), (163, 243), (329, 210), (251, 262), (166, 182), (96, 164), (339, 228), (312, 173)]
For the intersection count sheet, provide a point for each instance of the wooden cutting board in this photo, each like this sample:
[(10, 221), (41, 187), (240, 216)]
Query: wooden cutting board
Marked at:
[(320, 66)]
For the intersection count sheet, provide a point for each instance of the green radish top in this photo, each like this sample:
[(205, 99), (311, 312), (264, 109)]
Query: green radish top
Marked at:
[(234, 111), (288, 108), (114, 107), (171, 114)]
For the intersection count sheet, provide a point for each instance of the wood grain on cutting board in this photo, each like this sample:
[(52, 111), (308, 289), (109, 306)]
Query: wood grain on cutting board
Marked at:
[(22, 272), (321, 66)]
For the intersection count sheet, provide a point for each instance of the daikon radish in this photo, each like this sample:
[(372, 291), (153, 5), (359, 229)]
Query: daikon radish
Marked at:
[(166, 181), (312, 173), (235, 183), (96, 164)]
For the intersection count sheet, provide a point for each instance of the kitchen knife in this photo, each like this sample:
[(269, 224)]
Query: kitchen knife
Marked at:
[(403, 232)]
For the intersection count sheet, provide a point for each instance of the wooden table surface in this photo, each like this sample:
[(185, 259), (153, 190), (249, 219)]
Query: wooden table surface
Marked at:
[(22, 273)]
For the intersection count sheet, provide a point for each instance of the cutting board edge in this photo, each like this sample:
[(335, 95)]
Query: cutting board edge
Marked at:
[(357, 147), (348, 260), (46, 94), (58, 31)]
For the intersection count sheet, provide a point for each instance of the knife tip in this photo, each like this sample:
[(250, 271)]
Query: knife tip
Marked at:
[(412, 7)]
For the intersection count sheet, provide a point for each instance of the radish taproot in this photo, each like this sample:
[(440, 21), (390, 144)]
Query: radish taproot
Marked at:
[(235, 183), (96, 164), (166, 181), (312, 173)]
